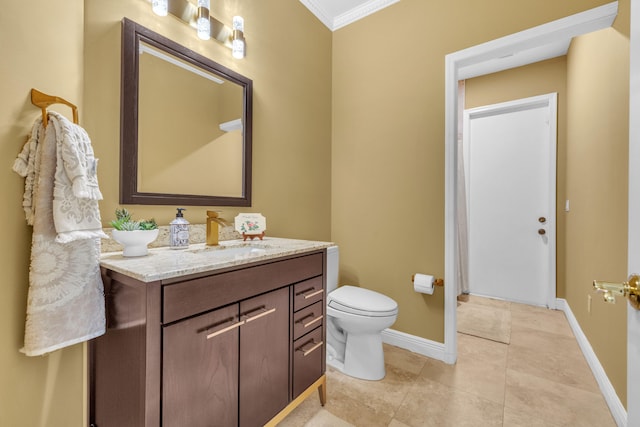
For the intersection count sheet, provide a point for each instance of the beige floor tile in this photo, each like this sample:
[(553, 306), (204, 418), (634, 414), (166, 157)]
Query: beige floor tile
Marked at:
[(540, 318), (536, 338), (396, 423), (484, 321), (304, 413), (487, 351), (556, 403), (479, 370), (403, 359), (324, 418), (513, 418), (566, 367), (491, 302), (433, 404), (540, 379), (356, 411), (352, 399)]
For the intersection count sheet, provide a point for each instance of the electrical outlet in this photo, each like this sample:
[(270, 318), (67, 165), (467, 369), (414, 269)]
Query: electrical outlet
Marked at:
[(589, 303)]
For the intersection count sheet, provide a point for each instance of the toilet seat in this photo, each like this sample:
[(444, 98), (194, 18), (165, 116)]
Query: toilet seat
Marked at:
[(362, 302)]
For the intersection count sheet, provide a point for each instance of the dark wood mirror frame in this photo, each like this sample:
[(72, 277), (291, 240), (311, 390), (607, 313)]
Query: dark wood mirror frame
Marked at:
[(132, 35)]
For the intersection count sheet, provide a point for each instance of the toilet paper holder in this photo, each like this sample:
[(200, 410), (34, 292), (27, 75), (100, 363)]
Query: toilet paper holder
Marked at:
[(436, 282)]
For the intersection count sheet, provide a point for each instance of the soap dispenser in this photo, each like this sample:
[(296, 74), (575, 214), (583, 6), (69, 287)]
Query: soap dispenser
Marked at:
[(179, 231)]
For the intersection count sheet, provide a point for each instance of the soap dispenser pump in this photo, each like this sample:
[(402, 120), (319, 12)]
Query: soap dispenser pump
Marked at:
[(179, 231)]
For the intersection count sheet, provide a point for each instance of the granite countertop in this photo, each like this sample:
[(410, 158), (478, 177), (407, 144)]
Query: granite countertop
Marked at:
[(166, 263)]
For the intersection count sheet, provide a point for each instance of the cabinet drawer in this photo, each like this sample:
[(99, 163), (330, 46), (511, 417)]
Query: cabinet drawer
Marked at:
[(308, 353), (196, 296), (307, 319), (307, 292)]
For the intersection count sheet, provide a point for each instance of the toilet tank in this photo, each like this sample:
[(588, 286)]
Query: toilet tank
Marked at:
[(333, 260)]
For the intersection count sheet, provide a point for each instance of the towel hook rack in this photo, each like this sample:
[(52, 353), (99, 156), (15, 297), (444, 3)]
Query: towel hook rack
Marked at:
[(43, 100)]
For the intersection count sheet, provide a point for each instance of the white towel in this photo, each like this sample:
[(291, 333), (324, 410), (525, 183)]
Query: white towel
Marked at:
[(25, 166), (75, 193), (65, 305)]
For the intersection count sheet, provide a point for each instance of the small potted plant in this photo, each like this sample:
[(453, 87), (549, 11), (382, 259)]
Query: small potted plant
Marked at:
[(134, 236)]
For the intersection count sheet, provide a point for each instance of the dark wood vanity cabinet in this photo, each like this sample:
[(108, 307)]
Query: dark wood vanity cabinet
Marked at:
[(232, 348)]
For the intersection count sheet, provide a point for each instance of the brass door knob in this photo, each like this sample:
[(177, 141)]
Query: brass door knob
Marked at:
[(542, 220), (628, 289), (542, 231)]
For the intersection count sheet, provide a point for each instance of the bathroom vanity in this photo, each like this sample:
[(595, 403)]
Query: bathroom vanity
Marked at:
[(231, 335)]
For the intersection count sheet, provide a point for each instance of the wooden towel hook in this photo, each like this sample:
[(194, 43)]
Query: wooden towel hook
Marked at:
[(43, 100)]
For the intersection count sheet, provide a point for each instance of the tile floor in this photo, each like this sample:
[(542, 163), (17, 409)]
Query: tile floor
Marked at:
[(539, 379)]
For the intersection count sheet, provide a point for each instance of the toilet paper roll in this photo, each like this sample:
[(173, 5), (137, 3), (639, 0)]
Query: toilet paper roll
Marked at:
[(423, 283)]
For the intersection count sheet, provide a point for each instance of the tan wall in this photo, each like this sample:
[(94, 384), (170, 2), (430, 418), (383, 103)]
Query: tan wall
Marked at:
[(388, 140), (535, 79), (597, 158), (44, 53), (291, 107)]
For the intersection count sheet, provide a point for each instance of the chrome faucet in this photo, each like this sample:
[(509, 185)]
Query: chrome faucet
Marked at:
[(212, 227)]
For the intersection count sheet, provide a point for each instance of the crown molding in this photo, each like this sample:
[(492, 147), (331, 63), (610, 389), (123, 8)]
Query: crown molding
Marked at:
[(359, 12)]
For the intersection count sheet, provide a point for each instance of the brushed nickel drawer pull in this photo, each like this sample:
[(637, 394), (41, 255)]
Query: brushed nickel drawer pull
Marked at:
[(227, 329), (316, 346), (306, 325), (257, 316), (313, 294)]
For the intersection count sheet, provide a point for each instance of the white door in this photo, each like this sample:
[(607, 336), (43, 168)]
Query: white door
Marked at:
[(510, 162), (633, 317)]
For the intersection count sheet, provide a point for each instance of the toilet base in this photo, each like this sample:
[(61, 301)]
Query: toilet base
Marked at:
[(363, 358)]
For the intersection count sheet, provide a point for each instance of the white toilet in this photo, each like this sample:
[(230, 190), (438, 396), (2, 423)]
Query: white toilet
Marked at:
[(355, 320)]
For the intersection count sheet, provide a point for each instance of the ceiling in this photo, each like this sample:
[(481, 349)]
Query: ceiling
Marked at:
[(338, 13)]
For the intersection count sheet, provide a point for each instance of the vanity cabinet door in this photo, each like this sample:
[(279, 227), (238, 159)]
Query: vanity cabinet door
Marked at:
[(200, 370), (264, 361)]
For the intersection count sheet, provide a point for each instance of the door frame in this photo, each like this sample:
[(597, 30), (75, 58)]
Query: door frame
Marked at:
[(633, 263), (469, 63), (550, 102)]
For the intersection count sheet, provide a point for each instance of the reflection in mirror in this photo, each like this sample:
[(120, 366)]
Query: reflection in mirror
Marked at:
[(192, 124)]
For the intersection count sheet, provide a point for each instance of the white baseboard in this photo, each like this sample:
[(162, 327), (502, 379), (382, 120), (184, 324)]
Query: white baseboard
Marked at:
[(609, 393), (423, 346)]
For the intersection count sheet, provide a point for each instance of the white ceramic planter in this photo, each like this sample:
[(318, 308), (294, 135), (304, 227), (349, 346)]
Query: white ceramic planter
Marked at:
[(134, 242)]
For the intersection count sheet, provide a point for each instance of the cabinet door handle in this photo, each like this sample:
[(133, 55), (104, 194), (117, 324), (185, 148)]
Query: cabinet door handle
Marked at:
[(227, 329), (259, 315), (306, 325), (308, 351), (311, 294)]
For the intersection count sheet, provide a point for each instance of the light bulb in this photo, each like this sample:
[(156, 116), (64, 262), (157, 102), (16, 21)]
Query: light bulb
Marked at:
[(160, 7), (237, 43), (237, 48), (238, 23), (203, 23)]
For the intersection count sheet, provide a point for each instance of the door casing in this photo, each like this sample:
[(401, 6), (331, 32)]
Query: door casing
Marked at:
[(460, 65)]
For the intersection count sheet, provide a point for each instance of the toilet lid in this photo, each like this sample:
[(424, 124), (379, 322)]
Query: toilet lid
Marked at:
[(361, 301)]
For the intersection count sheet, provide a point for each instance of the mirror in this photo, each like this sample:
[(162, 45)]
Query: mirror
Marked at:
[(185, 125)]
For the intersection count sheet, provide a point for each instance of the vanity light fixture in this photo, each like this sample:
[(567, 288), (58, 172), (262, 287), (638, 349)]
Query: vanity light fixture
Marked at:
[(197, 14), (160, 7), (237, 42), (203, 23)]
